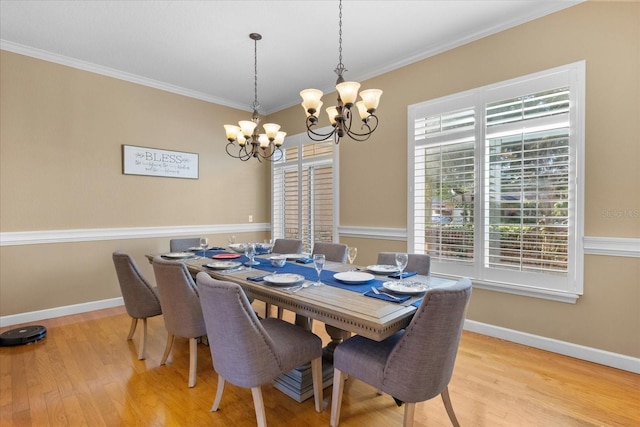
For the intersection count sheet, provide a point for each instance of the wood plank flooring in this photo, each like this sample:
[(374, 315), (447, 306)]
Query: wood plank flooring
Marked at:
[(85, 373)]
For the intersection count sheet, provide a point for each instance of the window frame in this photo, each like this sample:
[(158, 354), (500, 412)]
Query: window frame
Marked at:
[(299, 164), (572, 75)]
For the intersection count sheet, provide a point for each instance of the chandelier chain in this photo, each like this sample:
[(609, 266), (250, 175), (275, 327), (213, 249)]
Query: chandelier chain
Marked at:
[(255, 105), (340, 68)]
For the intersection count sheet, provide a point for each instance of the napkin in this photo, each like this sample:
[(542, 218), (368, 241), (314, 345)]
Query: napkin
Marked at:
[(404, 274), (401, 298), (257, 278), (304, 260)]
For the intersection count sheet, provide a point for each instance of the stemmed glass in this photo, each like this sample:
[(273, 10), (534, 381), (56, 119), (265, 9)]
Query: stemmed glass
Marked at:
[(250, 252), (351, 254), (204, 244), (231, 240), (401, 263), (318, 263)]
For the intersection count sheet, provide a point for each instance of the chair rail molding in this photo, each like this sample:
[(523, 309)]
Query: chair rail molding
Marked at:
[(91, 234)]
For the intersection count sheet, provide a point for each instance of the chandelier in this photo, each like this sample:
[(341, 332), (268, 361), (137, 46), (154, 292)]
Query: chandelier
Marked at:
[(245, 138), (341, 115)]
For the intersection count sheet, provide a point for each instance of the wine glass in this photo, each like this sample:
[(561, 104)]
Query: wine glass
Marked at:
[(250, 252), (231, 240), (401, 263), (351, 254), (204, 244), (318, 263)]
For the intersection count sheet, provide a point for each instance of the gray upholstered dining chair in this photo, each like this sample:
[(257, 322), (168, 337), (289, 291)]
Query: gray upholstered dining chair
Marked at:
[(179, 245), (336, 252), (181, 309), (287, 246), (414, 364), (420, 263), (250, 352), (140, 298)]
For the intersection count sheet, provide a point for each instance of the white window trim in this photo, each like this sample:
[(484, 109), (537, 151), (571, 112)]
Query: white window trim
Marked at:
[(298, 140), (571, 74)]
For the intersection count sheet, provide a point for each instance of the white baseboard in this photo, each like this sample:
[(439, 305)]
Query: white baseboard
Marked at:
[(67, 310), (602, 357)]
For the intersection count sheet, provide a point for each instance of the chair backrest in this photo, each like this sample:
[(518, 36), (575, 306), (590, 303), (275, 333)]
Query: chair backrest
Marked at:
[(420, 263), (179, 299), (242, 351), (420, 365), (140, 298), (179, 245), (336, 252), (287, 246)]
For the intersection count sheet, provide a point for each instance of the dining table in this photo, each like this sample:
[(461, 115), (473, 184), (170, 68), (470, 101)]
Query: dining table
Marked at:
[(342, 305)]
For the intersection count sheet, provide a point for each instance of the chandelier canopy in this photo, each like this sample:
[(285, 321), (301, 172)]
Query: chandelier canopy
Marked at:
[(341, 115), (244, 138)]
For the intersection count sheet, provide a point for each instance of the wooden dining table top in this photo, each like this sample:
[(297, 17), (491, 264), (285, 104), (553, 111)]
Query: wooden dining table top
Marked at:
[(342, 308)]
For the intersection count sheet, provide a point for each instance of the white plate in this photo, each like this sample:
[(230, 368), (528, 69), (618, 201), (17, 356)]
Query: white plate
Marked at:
[(284, 279), (237, 247), (353, 277), (382, 268), (196, 249), (408, 287), (223, 265), (178, 255), (296, 256)]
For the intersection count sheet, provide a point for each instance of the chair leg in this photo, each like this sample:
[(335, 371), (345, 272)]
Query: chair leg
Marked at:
[(447, 405), (336, 397), (193, 360), (258, 403), (132, 329), (216, 402), (409, 413), (167, 348), (316, 375), (280, 312), (143, 340)]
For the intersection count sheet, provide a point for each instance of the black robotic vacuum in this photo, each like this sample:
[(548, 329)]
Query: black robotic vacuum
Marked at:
[(24, 335)]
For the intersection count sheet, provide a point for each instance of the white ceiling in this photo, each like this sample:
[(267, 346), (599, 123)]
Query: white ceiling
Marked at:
[(202, 48)]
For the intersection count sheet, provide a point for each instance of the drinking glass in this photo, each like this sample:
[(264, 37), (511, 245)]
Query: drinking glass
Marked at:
[(318, 263), (401, 263), (231, 240), (204, 244), (351, 254), (250, 252)]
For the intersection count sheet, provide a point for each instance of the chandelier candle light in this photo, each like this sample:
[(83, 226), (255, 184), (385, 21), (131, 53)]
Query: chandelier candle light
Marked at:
[(245, 137), (341, 115)]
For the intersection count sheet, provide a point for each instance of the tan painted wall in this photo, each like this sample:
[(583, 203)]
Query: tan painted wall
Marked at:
[(61, 168), (61, 131), (607, 36)]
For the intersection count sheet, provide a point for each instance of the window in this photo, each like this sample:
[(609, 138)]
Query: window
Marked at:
[(303, 184), (496, 189)]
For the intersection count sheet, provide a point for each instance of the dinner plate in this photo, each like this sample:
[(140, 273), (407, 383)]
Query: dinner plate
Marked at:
[(283, 279), (196, 249), (178, 255), (353, 277), (382, 268), (296, 256), (225, 256), (407, 287), (223, 265)]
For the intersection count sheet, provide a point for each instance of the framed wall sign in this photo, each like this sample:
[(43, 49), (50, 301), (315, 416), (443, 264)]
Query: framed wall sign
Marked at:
[(155, 162)]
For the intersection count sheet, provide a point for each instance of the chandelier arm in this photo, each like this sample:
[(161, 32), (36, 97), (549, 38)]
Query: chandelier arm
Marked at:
[(316, 136), (355, 135), (244, 157)]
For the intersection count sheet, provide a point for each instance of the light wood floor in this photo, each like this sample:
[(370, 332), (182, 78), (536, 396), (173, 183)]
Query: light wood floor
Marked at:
[(85, 373)]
